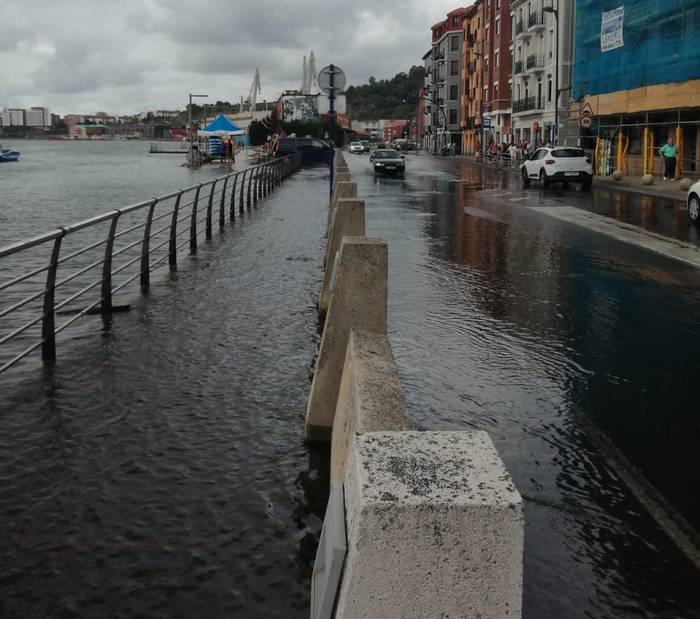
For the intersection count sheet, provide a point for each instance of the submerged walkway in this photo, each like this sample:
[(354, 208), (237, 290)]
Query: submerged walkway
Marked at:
[(159, 469)]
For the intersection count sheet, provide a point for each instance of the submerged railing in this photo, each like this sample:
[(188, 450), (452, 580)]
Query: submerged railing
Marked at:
[(124, 245)]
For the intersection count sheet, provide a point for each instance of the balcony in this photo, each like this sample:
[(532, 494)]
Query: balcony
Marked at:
[(535, 21), (438, 55), (521, 29), (518, 67), (524, 105), (535, 62)]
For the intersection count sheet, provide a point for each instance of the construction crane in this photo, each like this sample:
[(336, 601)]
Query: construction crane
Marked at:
[(255, 90)]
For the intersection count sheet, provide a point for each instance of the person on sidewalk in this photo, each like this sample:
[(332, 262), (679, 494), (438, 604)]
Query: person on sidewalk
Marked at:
[(668, 152)]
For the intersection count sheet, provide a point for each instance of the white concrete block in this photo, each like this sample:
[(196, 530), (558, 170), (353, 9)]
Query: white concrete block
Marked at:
[(434, 526)]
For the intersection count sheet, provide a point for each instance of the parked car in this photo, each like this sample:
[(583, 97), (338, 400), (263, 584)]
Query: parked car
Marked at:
[(560, 164), (388, 161), (356, 147), (694, 203), (365, 145), (311, 149)]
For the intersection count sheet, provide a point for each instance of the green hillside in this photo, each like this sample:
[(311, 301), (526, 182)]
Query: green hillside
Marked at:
[(393, 98)]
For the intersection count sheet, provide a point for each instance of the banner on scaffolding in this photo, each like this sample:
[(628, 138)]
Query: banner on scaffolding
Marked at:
[(611, 29)]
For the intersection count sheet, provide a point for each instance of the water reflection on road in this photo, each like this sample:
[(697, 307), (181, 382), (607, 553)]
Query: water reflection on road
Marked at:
[(516, 323)]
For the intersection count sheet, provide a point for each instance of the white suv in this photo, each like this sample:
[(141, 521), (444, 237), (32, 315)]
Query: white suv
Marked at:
[(561, 164), (356, 147), (694, 203)]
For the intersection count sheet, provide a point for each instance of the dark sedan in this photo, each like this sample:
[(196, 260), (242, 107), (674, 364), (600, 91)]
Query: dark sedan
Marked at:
[(388, 161)]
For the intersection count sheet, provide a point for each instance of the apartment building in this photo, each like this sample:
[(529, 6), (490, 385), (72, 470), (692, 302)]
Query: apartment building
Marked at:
[(445, 83), (497, 67), (542, 67), (37, 117), (637, 69), (472, 109), (425, 104), (12, 117)]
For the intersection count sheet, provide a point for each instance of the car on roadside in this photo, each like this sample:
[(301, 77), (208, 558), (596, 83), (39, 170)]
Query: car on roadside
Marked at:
[(388, 161), (312, 150), (356, 147), (694, 203), (558, 164)]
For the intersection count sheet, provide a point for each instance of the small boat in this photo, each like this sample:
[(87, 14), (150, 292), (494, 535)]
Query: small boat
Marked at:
[(8, 155)]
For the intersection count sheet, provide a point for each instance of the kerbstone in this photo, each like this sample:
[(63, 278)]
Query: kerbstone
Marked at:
[(434, 528), (370, 398), (348, 220), (341, 191), (358, 299)]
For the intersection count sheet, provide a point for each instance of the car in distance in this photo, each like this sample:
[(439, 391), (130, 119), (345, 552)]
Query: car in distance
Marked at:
[(388, 161), (558, 164), (356, 147), (365, 145), (311, 149), (694, 203)]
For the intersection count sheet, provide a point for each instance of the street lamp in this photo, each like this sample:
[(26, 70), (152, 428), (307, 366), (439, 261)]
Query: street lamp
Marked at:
[(189, 120), (555, 12)]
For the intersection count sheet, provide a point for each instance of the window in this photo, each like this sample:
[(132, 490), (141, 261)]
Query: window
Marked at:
[(486, 63), (498, 4), (498, 26), (453, 117), (486, 93), (495, 91), (454, 67), (496, 60), (454, 43), (454, 89), (549, 88)]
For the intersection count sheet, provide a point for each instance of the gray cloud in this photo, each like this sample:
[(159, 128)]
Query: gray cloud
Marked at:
[(81, 55)]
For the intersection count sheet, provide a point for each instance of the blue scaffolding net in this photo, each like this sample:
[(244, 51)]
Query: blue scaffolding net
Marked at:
[(622, 46)]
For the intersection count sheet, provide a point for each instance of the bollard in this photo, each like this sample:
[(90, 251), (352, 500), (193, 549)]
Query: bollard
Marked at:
[(348, 220), (341, 190), (434, 528), (358, 299)]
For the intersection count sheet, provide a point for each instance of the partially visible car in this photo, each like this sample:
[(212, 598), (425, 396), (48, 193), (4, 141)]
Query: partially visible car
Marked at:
[(388, 161), (312, 150), (558, 164), (694, 203), (356, 147), (365, 145)]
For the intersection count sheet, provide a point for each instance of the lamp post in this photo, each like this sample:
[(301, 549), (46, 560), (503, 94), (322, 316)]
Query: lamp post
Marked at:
[(189, 122), (555, 12), (444, 119)]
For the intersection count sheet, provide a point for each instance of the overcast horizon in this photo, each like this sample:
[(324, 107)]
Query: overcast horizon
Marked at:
[(138, 55)]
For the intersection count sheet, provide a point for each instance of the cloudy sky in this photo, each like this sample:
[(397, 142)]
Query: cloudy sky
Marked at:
[(126, 56)]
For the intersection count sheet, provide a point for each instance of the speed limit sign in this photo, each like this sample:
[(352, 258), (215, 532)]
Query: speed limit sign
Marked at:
[(586, 122)]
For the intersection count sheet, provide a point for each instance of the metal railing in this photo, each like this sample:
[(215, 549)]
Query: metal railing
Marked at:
[(518, 67), (535, 61), (519, 27), (124, 245), (535, 19), (524, 105)]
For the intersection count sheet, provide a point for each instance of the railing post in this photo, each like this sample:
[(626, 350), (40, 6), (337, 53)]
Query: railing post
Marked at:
[(106, 305), (146, 250), (232, 207), (266, 180), (193, 221), (222, 207), (241, 201), (209, 209), (48, 323), (256, 186), (249, 187), (172, 246)]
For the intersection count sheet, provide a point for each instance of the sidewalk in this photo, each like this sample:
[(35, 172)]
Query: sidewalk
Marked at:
[(633, 184)]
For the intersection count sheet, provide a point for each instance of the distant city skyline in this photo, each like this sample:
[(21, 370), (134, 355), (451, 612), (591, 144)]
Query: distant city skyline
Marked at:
[(149, 54)]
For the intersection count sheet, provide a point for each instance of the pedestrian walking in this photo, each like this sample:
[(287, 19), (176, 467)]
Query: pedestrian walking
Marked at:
[(668, 153)]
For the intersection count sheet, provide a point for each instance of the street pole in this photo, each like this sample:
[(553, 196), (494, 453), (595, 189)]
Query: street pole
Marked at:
[(189, 121), (555, 12), (331, 121)]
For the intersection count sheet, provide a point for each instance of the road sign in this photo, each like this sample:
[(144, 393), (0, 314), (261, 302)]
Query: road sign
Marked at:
[(586, 122), (324, 79), (486, 123), (585, 116)]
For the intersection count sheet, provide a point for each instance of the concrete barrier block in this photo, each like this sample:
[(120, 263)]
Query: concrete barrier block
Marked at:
[(348, 220), (341, 190), (358, 299), (370, 398), (434, 528)]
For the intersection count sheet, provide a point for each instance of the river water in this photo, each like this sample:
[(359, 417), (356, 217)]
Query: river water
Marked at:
[(159, 469)]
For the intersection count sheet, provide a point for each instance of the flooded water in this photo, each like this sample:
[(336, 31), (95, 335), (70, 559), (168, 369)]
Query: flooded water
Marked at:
[(159, 469)]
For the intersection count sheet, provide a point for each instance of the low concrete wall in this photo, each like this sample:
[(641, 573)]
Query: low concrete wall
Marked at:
[(348, 219), (434, 528), (358, 299), (342, 190)]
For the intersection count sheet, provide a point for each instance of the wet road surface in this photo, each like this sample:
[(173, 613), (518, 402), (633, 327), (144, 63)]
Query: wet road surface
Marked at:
[(159, 469), (544, 334)]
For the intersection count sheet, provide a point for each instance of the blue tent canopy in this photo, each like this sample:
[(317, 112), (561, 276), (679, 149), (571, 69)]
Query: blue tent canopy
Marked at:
[(221, 126)]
